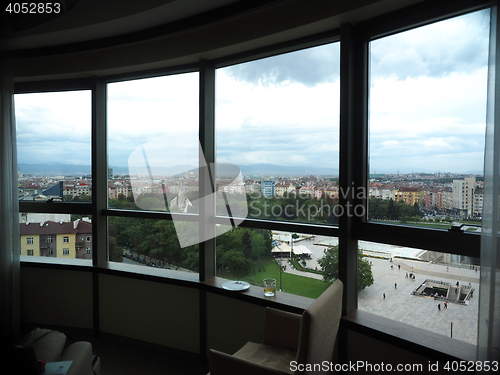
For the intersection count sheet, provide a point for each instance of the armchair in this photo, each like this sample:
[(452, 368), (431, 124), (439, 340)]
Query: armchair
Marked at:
[(291, 341)]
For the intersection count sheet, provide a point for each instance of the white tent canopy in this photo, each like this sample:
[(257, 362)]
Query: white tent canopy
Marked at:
[(301, 250)]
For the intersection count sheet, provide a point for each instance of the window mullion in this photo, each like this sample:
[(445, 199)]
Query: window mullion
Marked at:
[(99, 172), (207, 158), (353, 156)]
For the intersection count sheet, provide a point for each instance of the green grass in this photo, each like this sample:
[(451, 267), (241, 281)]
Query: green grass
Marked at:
[(299, 266), (424, 223), (293, 284)]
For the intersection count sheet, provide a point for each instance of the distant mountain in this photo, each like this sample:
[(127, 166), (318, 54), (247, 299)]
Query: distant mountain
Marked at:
[(54, 169), (163, 171), (223, 169), (264, 169)]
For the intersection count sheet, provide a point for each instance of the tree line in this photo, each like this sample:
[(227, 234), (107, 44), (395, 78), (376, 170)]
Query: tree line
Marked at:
[(388, 209)]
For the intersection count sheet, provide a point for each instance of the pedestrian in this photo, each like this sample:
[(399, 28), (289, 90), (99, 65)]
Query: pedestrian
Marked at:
[(406, 275), (395, 286), (392, 267), (446, 305), (399, 266), (439, 306), (384, 295), (458, 284)]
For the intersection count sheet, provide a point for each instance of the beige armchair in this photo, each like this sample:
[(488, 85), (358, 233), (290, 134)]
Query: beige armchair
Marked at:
[(291, 341)]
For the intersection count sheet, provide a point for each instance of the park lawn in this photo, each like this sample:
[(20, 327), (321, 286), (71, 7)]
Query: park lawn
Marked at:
[(419, 224), (293, 284), (423, 223)]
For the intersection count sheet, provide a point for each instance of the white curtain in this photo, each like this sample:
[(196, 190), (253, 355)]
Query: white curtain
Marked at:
[(488, 348), (9, 209)]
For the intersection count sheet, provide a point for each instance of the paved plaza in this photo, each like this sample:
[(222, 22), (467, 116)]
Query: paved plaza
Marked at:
[(399, 304)]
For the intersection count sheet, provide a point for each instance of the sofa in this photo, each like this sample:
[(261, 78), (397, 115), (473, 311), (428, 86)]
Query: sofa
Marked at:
[(50, 346)]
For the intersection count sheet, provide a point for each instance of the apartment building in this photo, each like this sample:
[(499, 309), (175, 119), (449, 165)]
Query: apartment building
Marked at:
[(282, 189), (49, 239), (407, 195), (267, 188), (463, 195), (57, 239), (381, 191), (477, 204)]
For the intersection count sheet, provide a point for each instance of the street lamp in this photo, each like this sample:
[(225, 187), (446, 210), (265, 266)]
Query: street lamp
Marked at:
[(281, 271)]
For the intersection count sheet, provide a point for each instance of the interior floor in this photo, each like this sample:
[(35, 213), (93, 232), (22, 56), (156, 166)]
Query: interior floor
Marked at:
[(122, 356)]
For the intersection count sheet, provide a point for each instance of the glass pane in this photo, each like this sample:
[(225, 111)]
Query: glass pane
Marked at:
[(427, 123), (434, 291), (308, 263), (63, 236), (153, 143), (277, 120), (53, 146), (150, 242)]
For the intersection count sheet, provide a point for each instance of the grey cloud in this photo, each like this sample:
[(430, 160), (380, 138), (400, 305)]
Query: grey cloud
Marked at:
[(457, 45), (310, 67), (277, 145)]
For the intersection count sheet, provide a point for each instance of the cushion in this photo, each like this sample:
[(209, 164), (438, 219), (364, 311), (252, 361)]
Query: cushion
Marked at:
[(81, 354), (48, 344), (272, 356)]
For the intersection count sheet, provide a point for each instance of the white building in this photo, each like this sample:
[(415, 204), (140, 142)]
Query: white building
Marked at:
[(463, 191)]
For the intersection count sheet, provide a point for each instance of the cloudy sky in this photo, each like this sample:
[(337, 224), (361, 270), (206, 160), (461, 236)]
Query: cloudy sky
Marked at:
[(427, 109), (53, 127)]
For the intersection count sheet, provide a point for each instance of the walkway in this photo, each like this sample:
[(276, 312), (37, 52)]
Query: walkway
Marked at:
[(399, 304)]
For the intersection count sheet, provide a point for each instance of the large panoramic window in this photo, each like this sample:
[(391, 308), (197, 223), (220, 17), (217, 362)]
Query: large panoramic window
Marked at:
[(276, 177), (153, 146), (427, 123), (277, 143), (53, 146), (426, 148), (153, 152)]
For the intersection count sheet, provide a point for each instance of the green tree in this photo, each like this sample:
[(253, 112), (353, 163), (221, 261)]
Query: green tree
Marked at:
[(416, 209), (391, 211), (115, 252), (246, 244), (237, 262), (330, 265)]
